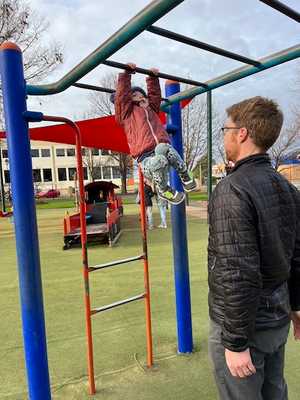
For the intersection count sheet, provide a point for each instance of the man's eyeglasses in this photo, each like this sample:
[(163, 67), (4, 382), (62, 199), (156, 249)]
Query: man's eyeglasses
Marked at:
[(223, 129)]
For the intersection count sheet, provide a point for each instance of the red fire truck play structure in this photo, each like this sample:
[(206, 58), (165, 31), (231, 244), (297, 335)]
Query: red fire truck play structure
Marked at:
[(103, 211)]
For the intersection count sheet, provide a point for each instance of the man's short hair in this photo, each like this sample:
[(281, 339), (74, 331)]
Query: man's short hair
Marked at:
[(261, 117)]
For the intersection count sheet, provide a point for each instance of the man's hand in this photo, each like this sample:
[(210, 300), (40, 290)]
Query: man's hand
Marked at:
[(155, 71), (296, 323), (239, 364), (132, 67)]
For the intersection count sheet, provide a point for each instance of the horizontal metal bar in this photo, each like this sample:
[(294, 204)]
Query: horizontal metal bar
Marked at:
[(146, 17), (117, 262), (92, 87), (284, 9), (99, 88), (267, 62), (144, 71), (117, 304), (200, 45)]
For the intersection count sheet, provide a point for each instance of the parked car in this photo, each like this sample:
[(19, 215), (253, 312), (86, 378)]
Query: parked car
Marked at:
[(49, 194)]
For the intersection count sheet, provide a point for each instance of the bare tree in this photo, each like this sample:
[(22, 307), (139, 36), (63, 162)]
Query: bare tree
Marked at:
[(20, 24), (194, 127), (93, 165), (288, 141), (194, 132), (102, 106), (100, 102)]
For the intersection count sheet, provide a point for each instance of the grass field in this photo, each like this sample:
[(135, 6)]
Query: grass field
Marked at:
[(119, 334), (127, 199)]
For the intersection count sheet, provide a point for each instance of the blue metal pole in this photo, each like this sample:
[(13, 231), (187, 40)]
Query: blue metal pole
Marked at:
[(180, 249), (31, 297)]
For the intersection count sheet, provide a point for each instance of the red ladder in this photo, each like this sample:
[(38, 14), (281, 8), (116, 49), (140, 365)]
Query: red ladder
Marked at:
[(86, 270)]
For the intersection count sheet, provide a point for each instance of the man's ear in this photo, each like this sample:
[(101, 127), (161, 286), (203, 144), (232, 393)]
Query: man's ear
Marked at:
[(243, 134)]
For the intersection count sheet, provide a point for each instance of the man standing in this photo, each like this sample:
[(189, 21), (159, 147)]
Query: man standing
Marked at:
[(253, 259)]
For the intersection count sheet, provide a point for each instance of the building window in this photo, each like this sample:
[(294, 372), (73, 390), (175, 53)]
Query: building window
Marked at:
[(97, 173), (83, 152), (35, 153), (95, 152), (62, 174), (47, 175), (105, 152), (106, 172), (129, 173), (70, 152), (60, 152), (45, 152), (85, 174), (6, 176), (36, 173), (4, 153), (72, 174), (116, 172)]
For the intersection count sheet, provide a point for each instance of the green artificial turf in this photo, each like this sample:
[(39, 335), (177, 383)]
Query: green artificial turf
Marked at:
[(70, 204), (196, 196), (127, 199), (55, 203), (119, 334)]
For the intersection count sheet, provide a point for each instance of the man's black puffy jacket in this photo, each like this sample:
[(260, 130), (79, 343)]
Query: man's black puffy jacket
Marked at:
[(253, 251)]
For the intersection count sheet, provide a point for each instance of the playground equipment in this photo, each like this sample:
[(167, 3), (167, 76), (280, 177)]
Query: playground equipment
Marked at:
[(4, 214), (103, 211), (14, 94)]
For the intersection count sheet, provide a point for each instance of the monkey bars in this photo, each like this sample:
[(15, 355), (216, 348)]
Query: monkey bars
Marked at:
[(14, 95), (155, 10), (264, 63)]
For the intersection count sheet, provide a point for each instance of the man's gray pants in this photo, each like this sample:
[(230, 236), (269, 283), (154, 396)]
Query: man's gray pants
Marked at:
[(267, 353)]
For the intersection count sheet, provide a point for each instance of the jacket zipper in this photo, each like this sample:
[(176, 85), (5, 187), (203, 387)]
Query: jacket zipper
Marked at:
[(151, 129), (214, 264)]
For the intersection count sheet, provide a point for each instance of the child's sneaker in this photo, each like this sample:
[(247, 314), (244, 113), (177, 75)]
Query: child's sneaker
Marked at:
[(188, 181), (162, 226), (172, 196)]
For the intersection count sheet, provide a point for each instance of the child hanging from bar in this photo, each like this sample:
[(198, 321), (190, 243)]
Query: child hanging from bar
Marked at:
[(138, 113)]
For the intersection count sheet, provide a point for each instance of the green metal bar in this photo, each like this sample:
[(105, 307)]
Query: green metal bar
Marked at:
[(209, 144), (150, 14), (117, 304), (267, 62), (200, 45), (98, 88), (92, 87), (117, 262), (144, 71), (277, 5)]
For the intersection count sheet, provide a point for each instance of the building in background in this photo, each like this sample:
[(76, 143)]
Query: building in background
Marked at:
[(289, 168), (292, 172), (54, 166)]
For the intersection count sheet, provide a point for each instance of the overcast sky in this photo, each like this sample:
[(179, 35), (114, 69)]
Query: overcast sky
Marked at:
[(247, 27)]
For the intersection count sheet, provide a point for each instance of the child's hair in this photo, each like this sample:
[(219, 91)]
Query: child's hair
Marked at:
[(133, 89), (138, 89), (112, 97)]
